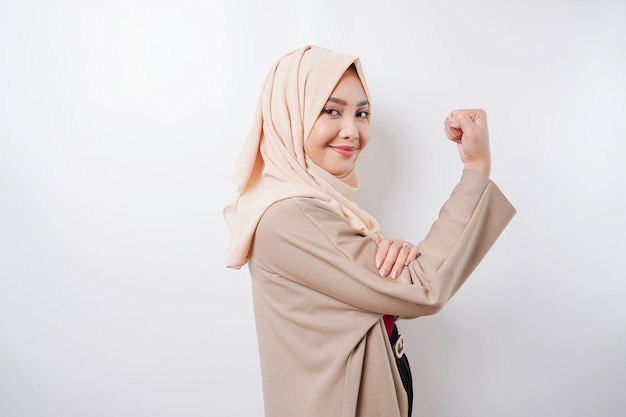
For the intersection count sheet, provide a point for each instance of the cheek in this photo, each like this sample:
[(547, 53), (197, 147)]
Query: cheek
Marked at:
[(310, 140), (320, 134), (364, 135)]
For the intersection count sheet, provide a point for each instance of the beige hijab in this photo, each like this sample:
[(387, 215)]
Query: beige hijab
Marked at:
[(273, 164)]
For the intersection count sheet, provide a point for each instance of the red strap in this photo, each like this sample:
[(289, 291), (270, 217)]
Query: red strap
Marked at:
[(389, 322)]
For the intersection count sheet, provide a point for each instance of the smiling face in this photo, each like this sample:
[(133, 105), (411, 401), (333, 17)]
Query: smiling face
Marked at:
[(343, 127)]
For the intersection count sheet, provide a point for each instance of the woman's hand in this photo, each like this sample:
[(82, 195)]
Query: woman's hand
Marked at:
[(468, 128), (393, 255)]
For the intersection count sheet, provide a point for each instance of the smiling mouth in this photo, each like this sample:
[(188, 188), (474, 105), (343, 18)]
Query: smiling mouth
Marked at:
[(346, 151)]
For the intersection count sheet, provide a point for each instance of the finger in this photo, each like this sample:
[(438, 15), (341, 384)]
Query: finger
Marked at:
[(452, 133), (381, 252), (468, 119), (401, 260), (472, 123), (390, 259), (400, 263), (462, 123), (474, 114), (413, 254)]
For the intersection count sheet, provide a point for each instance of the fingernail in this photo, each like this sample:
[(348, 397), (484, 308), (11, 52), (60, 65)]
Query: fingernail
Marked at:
[(394, 273), (384, 272), (378, 262)]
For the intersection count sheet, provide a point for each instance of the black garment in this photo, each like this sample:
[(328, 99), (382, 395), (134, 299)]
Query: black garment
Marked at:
[(403, 367)]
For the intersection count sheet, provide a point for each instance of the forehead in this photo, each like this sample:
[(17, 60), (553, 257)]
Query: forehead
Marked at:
[(350, 84)]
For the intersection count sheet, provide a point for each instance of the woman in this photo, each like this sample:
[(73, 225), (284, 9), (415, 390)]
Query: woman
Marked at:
[(326, 287)]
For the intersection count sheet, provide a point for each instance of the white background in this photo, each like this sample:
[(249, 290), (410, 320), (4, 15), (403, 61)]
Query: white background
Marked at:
[(120, 122)]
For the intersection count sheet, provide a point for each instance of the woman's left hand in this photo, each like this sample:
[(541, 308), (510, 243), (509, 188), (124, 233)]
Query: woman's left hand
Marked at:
[(393, 255)]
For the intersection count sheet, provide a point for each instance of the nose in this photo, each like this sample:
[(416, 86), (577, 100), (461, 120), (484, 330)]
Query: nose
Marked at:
[(349, 129)]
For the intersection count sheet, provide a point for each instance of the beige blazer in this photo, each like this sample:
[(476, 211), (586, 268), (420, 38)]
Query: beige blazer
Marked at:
[(319, 300)]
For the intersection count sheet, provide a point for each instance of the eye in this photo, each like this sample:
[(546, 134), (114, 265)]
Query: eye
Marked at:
[(331, 112), (362, 114)]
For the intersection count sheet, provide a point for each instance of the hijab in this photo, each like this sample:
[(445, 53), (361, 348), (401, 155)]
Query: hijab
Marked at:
[(273, 164)]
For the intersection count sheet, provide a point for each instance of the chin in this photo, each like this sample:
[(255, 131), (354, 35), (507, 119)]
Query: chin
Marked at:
[(342, 173)]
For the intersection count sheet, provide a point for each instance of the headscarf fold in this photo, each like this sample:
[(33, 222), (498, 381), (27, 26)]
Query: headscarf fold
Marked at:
[(273, 165)]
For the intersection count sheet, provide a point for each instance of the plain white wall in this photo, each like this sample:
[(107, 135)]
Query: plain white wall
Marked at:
[(120, 122)]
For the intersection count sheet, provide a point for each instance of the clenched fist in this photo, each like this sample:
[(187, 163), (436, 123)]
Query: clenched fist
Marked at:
[(468, 128)]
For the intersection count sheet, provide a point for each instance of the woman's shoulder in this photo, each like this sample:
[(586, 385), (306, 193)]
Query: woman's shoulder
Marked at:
[(301, 227), (300, 213)]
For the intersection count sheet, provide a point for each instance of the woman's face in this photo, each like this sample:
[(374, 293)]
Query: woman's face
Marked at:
[(343, 127)]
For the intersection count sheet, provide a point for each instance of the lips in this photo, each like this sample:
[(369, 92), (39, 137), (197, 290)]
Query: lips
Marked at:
[(346, 151)]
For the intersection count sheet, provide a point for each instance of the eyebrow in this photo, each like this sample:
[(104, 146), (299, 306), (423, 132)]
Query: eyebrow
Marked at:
[(344, 103)]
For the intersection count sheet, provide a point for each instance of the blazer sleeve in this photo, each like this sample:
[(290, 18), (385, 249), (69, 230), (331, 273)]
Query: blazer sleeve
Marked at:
[(304, 241)]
